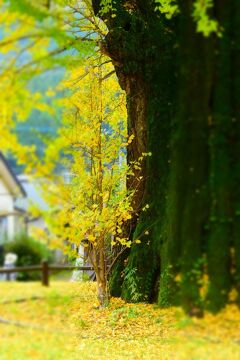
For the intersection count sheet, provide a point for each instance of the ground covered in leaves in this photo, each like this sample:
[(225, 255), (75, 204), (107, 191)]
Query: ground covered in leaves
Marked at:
[(61, 322)]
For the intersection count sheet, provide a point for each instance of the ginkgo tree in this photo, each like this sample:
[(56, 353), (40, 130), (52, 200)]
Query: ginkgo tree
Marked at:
[(93, 207)]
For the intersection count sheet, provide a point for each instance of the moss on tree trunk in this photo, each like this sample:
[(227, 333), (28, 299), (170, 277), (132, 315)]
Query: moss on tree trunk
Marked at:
[(218, 246), (183, 107), (143, 269)]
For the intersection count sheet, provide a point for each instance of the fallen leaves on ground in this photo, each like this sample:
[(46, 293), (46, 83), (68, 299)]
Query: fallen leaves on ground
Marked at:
[(62, 322)]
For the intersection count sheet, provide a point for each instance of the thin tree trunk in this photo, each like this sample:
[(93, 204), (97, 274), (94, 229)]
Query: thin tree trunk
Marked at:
[(101, 275)]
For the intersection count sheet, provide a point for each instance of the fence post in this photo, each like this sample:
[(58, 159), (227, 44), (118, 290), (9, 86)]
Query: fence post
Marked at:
[(45, 273)]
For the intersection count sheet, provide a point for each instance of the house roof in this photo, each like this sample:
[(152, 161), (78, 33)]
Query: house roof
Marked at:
[(10, 179)]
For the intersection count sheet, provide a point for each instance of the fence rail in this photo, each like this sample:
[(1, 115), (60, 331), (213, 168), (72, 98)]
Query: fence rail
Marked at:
[(45, 268)]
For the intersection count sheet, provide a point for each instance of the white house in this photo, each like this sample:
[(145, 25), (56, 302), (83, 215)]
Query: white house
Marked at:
[(17, 194), (12, 220)]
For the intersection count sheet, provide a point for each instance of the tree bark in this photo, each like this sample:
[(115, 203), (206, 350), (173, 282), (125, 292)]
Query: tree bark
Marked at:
[(183, 107), (134, 42), (218, 247), (187, 208)]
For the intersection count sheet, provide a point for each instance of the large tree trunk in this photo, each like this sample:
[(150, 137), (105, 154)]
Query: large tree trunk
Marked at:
[(218, 246), (183, 107), (159, 80), (148, 80), (187, 210)]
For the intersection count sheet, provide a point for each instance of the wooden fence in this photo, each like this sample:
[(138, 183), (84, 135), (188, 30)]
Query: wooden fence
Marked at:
[(45, 269)]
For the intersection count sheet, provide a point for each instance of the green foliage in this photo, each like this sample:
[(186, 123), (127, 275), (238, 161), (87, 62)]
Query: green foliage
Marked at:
[(167, 7), (205, 24), (107, 6), (133, 282), (29, 252)]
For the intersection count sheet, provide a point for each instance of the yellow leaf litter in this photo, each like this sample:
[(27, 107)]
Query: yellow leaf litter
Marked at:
[(62, 322)]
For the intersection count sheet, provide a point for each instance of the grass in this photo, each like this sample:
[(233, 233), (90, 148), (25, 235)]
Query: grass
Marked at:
[(62, 322)]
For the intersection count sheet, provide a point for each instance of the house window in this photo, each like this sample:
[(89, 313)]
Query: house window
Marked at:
[(3, 229)]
